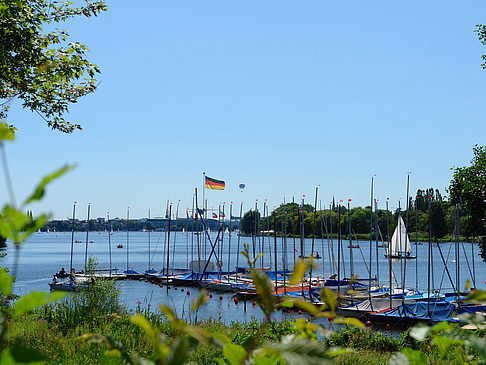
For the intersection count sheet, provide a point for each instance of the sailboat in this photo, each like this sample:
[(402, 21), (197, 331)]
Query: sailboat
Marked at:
[(400, 247)]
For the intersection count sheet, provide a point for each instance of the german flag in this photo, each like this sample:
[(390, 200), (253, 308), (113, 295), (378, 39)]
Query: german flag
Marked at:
[(214, 184)]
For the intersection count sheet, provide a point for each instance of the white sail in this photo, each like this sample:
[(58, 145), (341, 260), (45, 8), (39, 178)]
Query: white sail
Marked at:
[(400, 243)]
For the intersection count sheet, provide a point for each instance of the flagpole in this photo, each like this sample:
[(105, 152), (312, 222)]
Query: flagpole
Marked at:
[(204, 189)]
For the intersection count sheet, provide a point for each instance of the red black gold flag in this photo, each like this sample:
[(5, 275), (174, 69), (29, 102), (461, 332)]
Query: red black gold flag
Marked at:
[(214, 184)]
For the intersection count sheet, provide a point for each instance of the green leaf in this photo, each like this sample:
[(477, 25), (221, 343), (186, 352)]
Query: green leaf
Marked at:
[(443, 344), (477, 296), (235, 354), (116, 348), (20, 355), (298, 274), (5, 282), (34, 300), (415, 356), (294, 350), (17, 226), (40, 189), (419, 332), (329, 298), (350, 321), (302, 304), (398, 358), (6, 132), (180, 350), (201, 300), (264, 288)]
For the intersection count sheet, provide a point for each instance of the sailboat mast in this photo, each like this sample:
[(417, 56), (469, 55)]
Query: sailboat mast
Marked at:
[(428, 261), (371, 242), (128, 230), (293, 225), (263, 227), (284, 250), (416, 246), (406, 232), (302, 234), (333, 268), (376, 243), (275, 247), (175, 233), (312, 246), (339, 251), (87, 234), (351, 260), (229, 240), (301, 221), (168, 241), (148, 240), (239, 235), (72, 238), (109, 239), (192, 235), (389, 251)]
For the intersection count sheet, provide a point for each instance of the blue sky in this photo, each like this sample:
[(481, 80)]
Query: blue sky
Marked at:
[(279, 95)]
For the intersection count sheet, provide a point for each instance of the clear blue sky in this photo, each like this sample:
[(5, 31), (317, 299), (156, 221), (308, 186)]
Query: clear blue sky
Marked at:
[(279, 95)]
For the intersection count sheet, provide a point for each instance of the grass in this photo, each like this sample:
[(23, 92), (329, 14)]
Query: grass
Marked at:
[(56, 331)]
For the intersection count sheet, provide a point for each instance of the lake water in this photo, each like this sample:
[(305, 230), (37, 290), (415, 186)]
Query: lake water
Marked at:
[(45, 253)]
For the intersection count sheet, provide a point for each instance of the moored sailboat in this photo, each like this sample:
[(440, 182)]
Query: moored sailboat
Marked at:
[(400, 247)]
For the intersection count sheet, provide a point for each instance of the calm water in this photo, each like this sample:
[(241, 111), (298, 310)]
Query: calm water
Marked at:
[(45, 253)]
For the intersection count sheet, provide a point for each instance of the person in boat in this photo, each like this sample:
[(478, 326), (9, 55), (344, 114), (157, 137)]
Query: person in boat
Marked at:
[(54, 279), (317, 255), (62, 273)]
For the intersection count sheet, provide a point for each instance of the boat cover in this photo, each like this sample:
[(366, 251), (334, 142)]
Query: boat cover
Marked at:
[(439, 311), (471, 309), (334, 282), (376, 305)]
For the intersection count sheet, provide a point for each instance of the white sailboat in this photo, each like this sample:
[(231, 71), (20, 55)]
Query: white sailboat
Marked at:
[(400, 247)]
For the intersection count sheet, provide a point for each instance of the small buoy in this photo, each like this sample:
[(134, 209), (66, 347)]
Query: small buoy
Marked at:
[(368, 323), (161, 285), (300, 312), (207, 294), (236, 301), (129, 278), (187, 292), (388, 327), (169, 287), (210, 295), (182, 289), (253, 303), (329, 319), (220, 297), (175, 288)]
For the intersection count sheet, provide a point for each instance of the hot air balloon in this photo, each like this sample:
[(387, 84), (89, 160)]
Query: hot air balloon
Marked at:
[(241, 186)]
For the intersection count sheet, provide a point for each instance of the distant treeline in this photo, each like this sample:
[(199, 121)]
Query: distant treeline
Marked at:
[(293, 218)]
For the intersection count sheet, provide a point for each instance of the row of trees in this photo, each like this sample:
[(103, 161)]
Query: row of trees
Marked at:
[(293, 218), (133, 225)]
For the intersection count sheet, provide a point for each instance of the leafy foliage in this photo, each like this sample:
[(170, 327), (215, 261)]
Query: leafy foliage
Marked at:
[(43, 69), (468, 188)]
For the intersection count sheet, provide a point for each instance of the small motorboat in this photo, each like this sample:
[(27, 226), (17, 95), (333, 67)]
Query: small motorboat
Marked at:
[(119, 246), (67, 285)]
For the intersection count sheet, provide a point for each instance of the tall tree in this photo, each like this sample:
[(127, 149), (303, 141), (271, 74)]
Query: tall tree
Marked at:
[(468, 188), (44, 69)]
